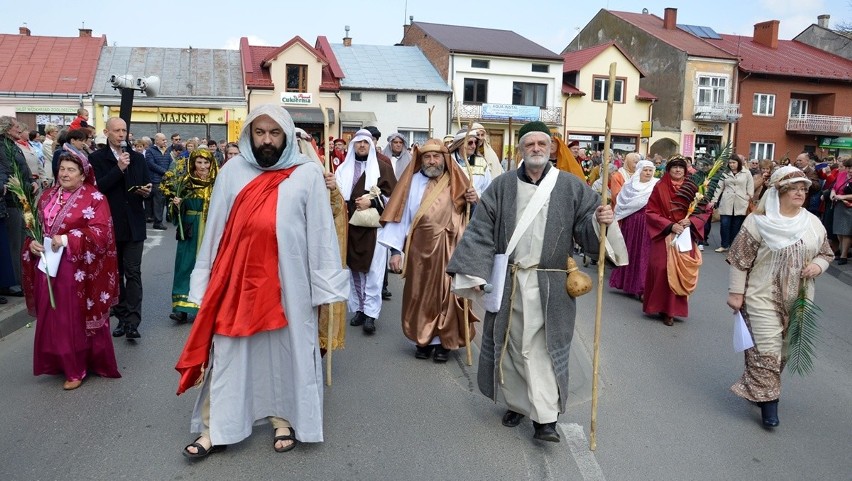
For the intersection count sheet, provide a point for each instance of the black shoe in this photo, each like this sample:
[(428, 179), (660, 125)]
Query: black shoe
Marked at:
[(842, 261), (357, 319), (149, 220), (133, 333), (769, 413), (442, 354), (386, 294), (546, 432), (369, 324), (3, 300), (159, 227), (424, 352), (179, 317), (512, 419), (119, 330), (8, 291)]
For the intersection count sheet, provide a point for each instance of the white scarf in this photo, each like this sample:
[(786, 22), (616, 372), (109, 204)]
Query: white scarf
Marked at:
[(635, 193), (346, 171), (777, 230)]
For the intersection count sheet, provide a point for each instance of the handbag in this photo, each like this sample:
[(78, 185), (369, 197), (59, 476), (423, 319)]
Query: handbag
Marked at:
[(368, 217)]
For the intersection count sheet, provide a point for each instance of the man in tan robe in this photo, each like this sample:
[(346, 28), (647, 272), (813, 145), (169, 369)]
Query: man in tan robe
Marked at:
[(428, 209)]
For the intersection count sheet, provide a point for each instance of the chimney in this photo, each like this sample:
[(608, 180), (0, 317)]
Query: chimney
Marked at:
[(670, 19), (85, 32), (25, 31), (766, 33), (822, 20), (347, 40)]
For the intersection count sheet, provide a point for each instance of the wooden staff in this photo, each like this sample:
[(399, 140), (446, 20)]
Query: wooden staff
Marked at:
[(330, 333), (593, 443), (466, 301)]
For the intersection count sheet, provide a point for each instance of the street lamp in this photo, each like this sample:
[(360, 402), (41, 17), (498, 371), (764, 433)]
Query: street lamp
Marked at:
[(128, 85)]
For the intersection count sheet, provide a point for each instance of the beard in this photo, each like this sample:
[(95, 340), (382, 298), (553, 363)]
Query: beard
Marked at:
[(535, 160), (432, 172), (267, 155)]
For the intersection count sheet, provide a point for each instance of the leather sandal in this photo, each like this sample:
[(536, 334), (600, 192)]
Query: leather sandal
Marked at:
[(202, 452), (287, 437)]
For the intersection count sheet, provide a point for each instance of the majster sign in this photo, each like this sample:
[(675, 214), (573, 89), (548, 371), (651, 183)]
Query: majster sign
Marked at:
[(179, 118)]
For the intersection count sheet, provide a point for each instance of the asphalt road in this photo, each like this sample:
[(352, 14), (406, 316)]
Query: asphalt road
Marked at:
[(664, 412)]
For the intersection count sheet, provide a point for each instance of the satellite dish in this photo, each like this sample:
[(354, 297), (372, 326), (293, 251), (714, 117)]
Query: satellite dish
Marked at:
[(149, 85)]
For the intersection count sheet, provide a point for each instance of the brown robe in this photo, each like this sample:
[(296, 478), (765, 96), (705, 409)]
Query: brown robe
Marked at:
[(362, 240)]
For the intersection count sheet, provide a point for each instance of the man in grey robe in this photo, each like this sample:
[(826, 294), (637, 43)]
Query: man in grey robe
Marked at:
[(524, 357), (397, 152), (276, 374)]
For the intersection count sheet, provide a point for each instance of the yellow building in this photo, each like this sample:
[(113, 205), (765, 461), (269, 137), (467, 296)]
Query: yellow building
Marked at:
[(585, 89)]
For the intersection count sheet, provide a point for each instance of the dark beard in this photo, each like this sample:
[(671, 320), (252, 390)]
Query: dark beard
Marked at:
[(267, 155)]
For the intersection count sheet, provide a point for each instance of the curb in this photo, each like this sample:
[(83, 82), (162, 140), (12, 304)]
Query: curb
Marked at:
[(13, 317)]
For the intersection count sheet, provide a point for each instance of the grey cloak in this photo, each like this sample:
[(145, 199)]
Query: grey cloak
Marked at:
[(571, 217)]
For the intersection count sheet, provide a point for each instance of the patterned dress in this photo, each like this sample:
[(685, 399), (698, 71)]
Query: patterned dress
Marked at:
[(771, 286)]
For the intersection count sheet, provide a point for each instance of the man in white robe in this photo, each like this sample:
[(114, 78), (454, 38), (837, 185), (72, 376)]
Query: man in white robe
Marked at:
[(272, 374)]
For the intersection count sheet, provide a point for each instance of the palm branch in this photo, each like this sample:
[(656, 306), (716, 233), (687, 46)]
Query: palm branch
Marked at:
[(708, 181), (802, 333)]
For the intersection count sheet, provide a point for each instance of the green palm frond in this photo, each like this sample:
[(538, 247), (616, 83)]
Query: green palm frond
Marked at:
[(802, 333)]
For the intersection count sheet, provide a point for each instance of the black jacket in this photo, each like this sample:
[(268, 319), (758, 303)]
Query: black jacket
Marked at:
[(128, 214), (7, 147)]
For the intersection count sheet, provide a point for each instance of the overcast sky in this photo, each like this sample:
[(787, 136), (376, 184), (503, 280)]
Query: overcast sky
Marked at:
[(550, 23)]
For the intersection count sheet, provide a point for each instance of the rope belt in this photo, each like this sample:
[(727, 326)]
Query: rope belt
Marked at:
[(193, 212), (514, 270)]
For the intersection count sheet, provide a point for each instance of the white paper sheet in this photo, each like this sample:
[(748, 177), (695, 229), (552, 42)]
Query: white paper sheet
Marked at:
[(742, 338), (53, 258), (684, 241), (494, 299)]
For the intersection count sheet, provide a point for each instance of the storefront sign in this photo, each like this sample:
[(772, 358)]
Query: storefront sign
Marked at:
[(179, 118), (291, 98), (48, 109), (581, 137), (712, 129), (521, 113), (688, 145), (844, 143)]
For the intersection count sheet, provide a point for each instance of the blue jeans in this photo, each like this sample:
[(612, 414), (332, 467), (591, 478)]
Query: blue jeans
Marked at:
[(729, 227)]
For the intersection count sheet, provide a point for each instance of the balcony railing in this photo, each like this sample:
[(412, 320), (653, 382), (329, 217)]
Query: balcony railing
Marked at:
[(548, 115), (717, 112), (819, 124)]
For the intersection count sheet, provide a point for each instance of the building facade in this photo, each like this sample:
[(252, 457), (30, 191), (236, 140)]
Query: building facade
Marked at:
[(498, 78)]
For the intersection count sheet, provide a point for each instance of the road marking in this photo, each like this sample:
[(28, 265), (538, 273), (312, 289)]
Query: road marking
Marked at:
[(152, 241), (579, 446)]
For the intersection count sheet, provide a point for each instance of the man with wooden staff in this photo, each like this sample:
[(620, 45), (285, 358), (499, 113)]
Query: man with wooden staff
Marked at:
[(423, 222), (534, 214)]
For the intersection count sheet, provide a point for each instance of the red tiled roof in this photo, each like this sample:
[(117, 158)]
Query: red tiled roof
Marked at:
[(255, 74), (574, 61), (571, 90), (791, 59), (645, 95), (256, 64), (49, 64), (331, 71), (677, 38)]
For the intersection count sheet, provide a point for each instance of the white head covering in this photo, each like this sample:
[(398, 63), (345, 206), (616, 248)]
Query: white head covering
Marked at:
[(346, 170), (279, 115), (635, 194), (777, 230), (404, 157)]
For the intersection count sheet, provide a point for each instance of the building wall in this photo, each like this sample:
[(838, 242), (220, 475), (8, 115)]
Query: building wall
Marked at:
[(696, 68), (297, 54), (502, 72), (827, 40), (754, 128), (437, 54), (663, 64), (404, 114), (584, 115)]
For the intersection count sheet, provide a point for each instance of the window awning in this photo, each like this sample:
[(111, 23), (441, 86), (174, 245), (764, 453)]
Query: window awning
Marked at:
[(309, 115), (359, 118)]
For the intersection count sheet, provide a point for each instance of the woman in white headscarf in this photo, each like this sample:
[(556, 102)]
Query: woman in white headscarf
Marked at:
[(780, 248), (630, 214)]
